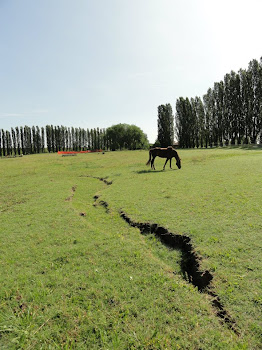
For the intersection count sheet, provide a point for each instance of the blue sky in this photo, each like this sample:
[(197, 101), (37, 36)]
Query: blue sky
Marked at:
[(95, 63)]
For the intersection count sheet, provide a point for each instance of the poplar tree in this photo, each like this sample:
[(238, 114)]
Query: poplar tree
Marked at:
[(48, 138), (209, 117), (98, 146), (22, 140), (255, 71), (69, 139), (200, 120), (4, 143), (94, 139), (38, 139), (14, 141), (194, 125), (34, 148), (218, 113), (76, 139), (88, 138), (8, 143), (42, 139), (165, 125), (27, 142), (18, 140), (52, 138), (179, 129), (55, 138)]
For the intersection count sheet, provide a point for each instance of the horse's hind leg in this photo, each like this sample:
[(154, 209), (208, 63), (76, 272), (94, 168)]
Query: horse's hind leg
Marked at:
[(165, 164), (170, 163), (152, 163)]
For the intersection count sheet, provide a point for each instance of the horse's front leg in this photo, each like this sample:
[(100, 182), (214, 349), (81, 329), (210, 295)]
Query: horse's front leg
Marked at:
[(165, 164), (152, 163), (170, 163)]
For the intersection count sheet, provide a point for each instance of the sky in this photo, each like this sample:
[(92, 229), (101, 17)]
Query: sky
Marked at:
[(97, 63)]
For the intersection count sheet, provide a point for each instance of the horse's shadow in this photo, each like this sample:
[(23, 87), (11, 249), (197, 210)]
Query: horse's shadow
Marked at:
[(151, 171)]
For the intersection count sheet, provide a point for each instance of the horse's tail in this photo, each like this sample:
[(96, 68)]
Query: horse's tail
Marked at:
[(150, 155)]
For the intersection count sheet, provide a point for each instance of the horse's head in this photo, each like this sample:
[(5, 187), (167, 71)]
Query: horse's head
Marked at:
[(178, 160)]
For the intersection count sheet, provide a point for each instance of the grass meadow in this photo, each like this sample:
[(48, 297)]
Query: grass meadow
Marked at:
[(75, 275)]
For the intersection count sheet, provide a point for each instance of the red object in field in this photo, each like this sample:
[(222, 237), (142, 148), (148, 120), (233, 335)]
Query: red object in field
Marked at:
[(76, 152)]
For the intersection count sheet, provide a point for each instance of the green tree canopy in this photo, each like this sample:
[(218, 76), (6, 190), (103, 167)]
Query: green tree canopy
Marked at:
[(122, 136), (165, 125), (230, 112)]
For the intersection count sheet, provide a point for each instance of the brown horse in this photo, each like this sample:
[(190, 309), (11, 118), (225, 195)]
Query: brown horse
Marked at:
[(167, 153)]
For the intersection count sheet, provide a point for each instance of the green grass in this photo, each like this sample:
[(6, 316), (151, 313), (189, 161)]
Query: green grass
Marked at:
[(93, 282)]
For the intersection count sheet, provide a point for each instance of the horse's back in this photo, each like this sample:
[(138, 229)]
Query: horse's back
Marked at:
[(162, 152)]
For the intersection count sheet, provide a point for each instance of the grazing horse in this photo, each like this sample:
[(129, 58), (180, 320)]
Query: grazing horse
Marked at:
[(167, 153)]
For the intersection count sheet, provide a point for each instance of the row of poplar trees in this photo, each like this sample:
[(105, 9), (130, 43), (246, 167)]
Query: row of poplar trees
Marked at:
[(229, 113), (31, 140)]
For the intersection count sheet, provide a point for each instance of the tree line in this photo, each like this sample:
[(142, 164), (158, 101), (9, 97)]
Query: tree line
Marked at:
[(229, 113), (32, 140)]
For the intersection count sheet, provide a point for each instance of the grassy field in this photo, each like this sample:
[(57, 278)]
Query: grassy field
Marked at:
[(75, 275)]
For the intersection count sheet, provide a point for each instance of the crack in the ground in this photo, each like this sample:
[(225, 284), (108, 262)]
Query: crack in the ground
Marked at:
[(102, 203), (68, 199), (99, 178), (190, 259), (190, 262), (190, 265)]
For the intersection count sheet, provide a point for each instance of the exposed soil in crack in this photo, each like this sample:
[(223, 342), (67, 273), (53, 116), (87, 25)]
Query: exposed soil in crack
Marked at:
[(68, 199), (102, 203), (98, 178), (190, 259), (190, 265)]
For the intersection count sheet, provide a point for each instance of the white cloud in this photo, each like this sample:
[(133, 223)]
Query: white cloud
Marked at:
[(23, 115)]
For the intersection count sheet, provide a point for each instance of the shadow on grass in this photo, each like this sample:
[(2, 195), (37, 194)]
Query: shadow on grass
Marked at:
[(152, 171)]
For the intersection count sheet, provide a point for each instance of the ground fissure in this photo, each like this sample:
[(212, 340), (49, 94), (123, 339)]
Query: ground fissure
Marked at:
[(190, 261), (68, 199), (99, 178), (190, 264)]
